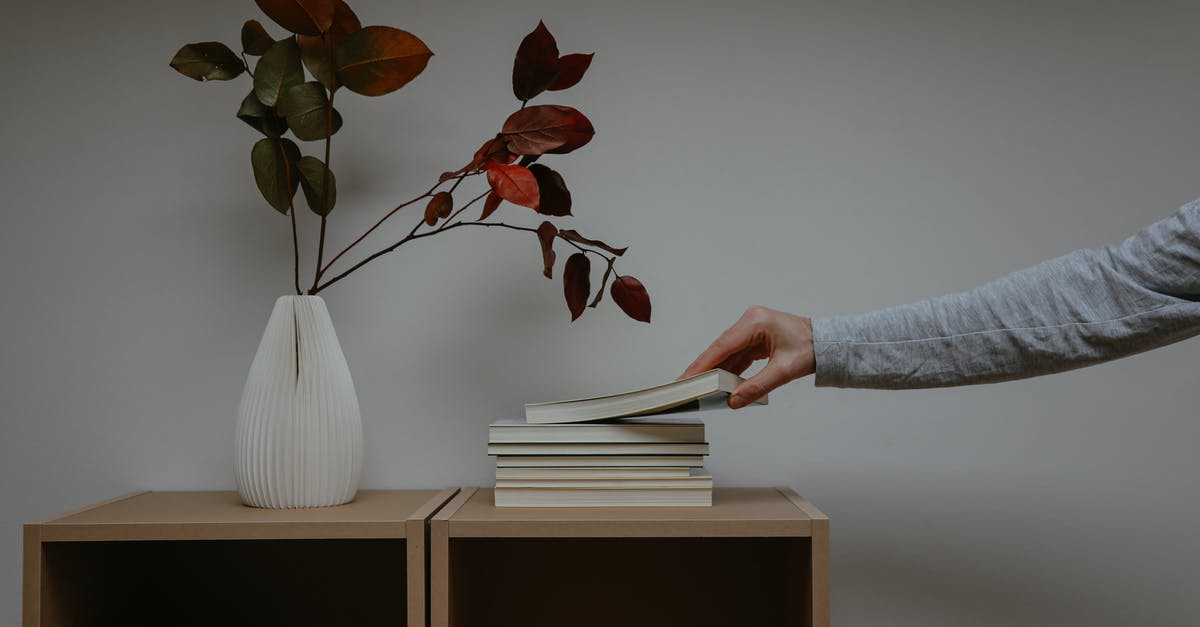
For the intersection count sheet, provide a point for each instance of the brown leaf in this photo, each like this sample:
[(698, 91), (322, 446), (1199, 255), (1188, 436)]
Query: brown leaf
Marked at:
[(570, 70), (630, 295), (546, 233), (577, 283), (316, 51), (514, 183), (379, 59), (536, 64), (208, 61), (603, 282), (445, 204), (547, 128), (494, 149), (439, 206), (303, 17), (574, 236), (255, 39), (490, 205), (431, 214), (555, 199)]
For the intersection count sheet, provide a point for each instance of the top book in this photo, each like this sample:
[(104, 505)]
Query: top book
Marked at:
[(707, 390)]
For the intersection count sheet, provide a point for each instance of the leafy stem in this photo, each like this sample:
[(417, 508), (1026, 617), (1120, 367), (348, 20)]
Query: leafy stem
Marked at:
[(287, 169), (325, 176)]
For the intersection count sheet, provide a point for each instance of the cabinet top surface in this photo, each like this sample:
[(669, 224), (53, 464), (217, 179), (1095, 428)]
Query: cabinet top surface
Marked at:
[(735, 511), (198, 514)]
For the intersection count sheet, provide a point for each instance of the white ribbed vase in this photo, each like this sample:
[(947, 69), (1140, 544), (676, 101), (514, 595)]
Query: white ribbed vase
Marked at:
[(299, 431)]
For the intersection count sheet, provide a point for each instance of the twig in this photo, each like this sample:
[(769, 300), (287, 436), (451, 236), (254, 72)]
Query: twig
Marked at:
[(345, 250)]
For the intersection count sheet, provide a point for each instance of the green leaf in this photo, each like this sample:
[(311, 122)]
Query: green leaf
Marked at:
[(255, 39), (312, 180), (208, 61), (379, 59), (277, 70), (260, 117), (304, 107), (275, 171)]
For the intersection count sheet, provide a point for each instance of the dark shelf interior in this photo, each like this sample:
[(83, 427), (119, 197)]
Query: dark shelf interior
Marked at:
[(203, 583), (629, 582)]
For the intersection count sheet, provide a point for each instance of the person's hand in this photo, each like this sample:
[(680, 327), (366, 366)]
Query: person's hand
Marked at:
[(783, 339)]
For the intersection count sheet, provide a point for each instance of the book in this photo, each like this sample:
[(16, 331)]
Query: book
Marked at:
[(598, 461), (667, 472), (599, 448), (706, 390), (698, 479), (625, 430), (613, 497)]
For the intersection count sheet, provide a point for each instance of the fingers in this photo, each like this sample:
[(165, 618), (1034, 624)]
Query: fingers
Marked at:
[(754, 388), (734, 339), (737, 365)]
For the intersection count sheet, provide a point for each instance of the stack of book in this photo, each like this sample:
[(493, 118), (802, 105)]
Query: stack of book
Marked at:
[(654, 462), (618, 450)]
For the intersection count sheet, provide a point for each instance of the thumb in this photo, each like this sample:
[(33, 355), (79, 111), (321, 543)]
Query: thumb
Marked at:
[(756, 387)]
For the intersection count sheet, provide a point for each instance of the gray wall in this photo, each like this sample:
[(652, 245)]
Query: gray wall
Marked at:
[(816, 157)]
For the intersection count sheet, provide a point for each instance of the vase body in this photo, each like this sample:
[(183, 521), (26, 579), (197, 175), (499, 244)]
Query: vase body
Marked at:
[(299, 431)]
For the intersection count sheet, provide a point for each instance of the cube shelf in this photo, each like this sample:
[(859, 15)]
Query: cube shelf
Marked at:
[(758, 556), (448, 558), (202, 558)]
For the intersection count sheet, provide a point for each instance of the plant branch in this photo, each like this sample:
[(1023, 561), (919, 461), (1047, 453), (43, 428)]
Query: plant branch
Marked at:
[(325, 208), (402, 205), (287, 171), (412, 235), (448, 225)]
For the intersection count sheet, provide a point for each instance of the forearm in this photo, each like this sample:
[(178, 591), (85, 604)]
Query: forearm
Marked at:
[(1082, 308)]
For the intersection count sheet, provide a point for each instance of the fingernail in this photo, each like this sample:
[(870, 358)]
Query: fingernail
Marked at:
[(736, 402)]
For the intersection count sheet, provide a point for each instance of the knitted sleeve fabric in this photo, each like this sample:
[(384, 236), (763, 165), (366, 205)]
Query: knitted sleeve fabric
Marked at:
[(1085, 307)]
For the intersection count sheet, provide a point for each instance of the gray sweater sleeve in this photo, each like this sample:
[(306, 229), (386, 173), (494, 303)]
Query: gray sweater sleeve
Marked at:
[(1083, 308)]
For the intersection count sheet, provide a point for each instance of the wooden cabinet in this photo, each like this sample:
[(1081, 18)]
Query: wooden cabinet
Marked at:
[(202, 558), (757, 557)]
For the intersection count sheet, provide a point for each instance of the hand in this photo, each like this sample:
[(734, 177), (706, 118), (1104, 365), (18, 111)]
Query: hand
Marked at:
[(783, 339)]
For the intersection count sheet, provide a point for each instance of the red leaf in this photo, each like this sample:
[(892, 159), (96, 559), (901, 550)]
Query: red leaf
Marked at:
[(514, 183), (536, 64), (490, 205), (577, 283), (547, 128), (630, 295), (315, 51), (492, 150), (303, 17), (445, 204), (555, 199), (574, 236), (570, 69), (603, 283), (432, 211), (379, 59), (546, 233)]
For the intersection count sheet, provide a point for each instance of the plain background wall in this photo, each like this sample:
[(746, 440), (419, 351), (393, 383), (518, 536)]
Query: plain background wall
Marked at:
[(817, 157)]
